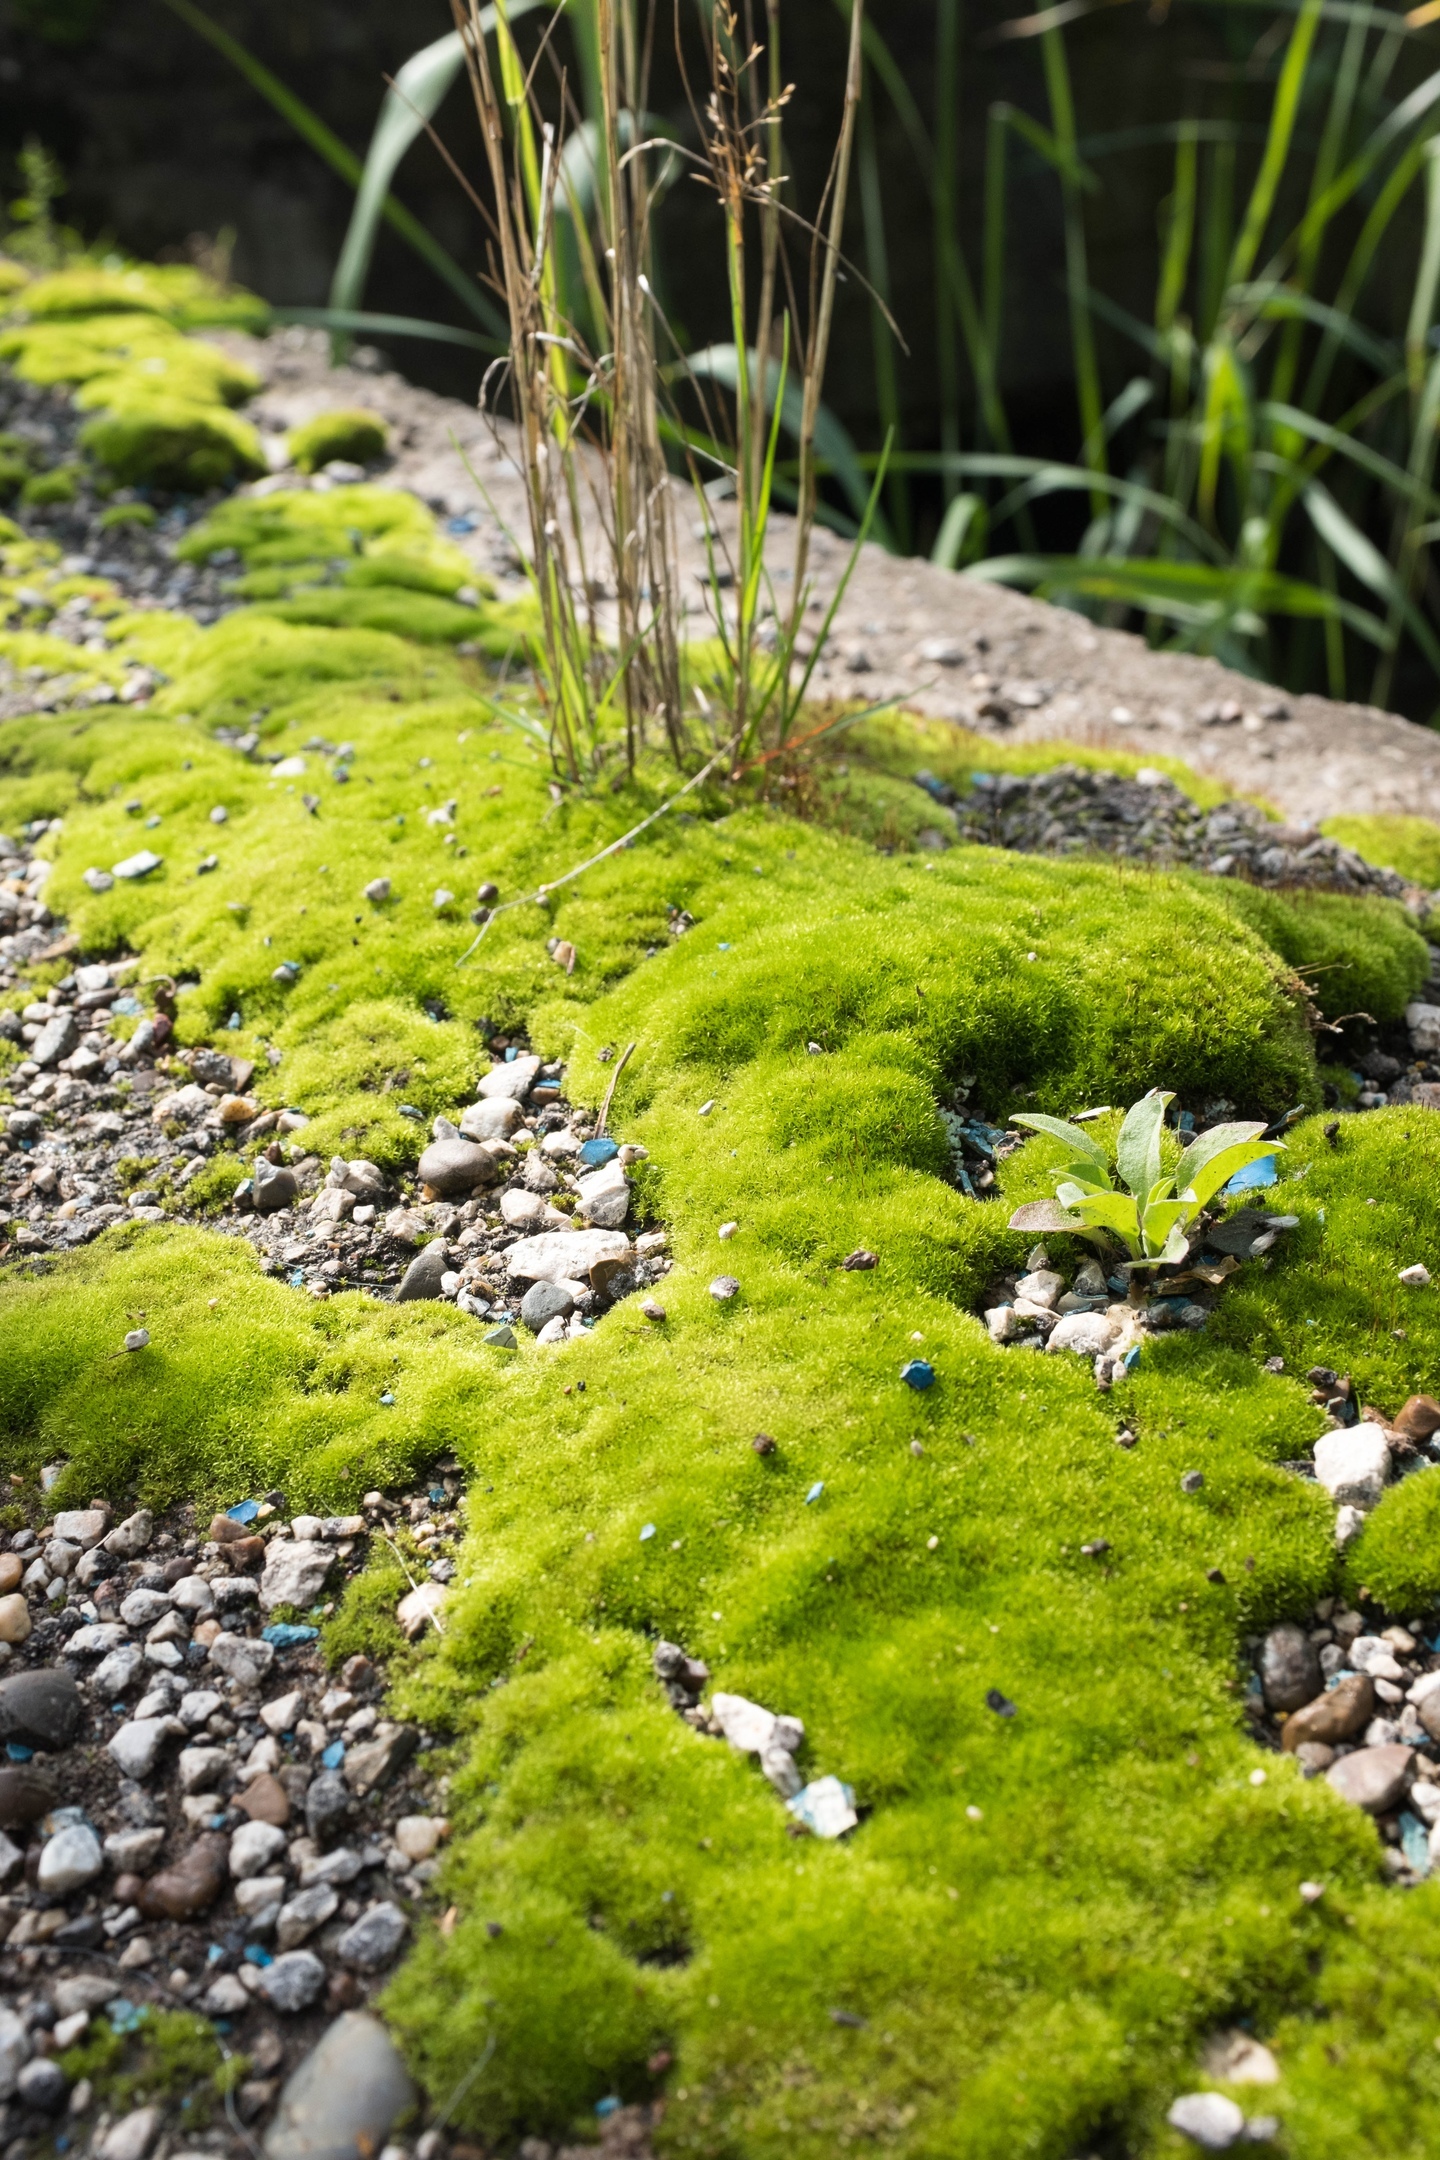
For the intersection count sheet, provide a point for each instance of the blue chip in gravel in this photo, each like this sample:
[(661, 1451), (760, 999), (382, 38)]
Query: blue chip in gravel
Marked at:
[(17, 1751), (288, 1634), (596, 1152), (244, 1511), (256, 1955), (918, 1374), (333, 1755)]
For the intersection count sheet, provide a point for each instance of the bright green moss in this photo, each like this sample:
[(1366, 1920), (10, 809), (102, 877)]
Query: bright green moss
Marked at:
[(1039, 1919), (357, 437), (165, 442), (179, 293), (112, 357), (1353, 955), (1410, 845), (399, 611), (55, 486), (122, 514)]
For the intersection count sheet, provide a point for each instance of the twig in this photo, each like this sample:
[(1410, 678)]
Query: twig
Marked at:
[(542, 892), (430, 1615), (625, 1056)]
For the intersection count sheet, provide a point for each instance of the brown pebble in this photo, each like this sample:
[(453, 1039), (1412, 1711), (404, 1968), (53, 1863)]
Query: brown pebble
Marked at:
[(264, 1800), (343, 1991), (25, 1795), (1339, 1714), (12, 1567), (358, 1672), (128, 1888), (246, 1552), (225, 1531), (1420, 1418), (191, 1885), (763, 1444)]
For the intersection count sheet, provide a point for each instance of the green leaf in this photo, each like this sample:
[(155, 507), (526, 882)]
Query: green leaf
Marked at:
[(1163, 1218), (1210, 1144), (1110, 1211), (1072, 1135), (1222, 1167), (1137, 1151)]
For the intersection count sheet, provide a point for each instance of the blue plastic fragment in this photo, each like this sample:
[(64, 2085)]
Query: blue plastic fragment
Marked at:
[(256, 1954), (1255, 1174), (387, 1397), (597, 1152), (607, 2106), (286, 1634), (408, 1109), (919, 1374), (214, 1954), (511, 1054), (462, 524), (125, 2016), (126, 1005), (297, 1278), (1415, 1843), (815, 1491), (233, 1021), (647, 1531), (437, 1495), (333, 1755), (1131, 1358), (244, 1511), (17, 1751), (723, 946)]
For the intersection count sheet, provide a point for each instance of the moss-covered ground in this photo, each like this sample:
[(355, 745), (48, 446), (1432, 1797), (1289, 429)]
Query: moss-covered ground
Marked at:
[(1040, 1917)]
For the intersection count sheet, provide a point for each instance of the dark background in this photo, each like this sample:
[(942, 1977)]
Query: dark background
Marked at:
[(160, 139)]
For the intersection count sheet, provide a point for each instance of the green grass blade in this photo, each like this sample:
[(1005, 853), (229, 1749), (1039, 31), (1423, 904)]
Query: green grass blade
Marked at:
[(1179, 232), (1284, 112), (965, 520), (1364, 561), (1082, 332), (882, 337), (402, 326)]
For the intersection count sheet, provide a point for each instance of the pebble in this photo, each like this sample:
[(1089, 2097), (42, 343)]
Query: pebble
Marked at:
[(14, 2050), (299, 1917), (137, 1744), (1353, 1464), (26, 1793), (14, 1617), (1338, 1714), (1416, 1277), (253, 1846), (191, 1885), (40, 1709), (1210, 2119), (69, 1860), (132, 2137), (1372, 1778), (454, 1168), (41, 2085), (295, 1572), (264, 1800), (373, 1765), (374, 1939), (293, 1981), (724, 1288), (1289, 1668), (344, 2097), (11, 1569), (327, 1806), (417, 1609), (544, 1302), (418, 1836), (241, 1658), (565, 1255), (424, 1278)]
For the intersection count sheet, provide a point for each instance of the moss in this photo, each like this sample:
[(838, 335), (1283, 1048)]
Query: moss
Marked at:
[(166, 442), (357, 437), (1040, 1918), (119, 515), (111, 359), (55, 486), (179, 293), (167, 2054), (1410, 845), (1355, 955)]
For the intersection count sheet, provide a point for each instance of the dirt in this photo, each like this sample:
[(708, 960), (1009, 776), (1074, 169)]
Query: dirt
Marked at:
[(1010, 666)]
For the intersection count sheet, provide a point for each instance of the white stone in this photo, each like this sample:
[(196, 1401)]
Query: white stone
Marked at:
[(225, 1997), (136, 1746), (495, 1119), (144, 1607), (115, 1674), (1000, 1320), (254, 1892), (130, 1538), (192, 1594), (69, 1860), (295, 1572), (1423, 1022), (82, 1526), (1088, 1334), (130, 1852), (513, 1079), (253, 1846), (1416, 1277), (195, 1707), (418, 1608), (1353, 1464), (605, 1196), (1041, 1286), (1372, 1654), (299, 1917), (279, 1714), (242, 1659), (745, 1724), (200, 1767), (1349, 1522), (132, 2137), (565, 1255), (11, 1859), (1209, 2119), (418, 1835), (1421, 1689), (555, 1330)]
